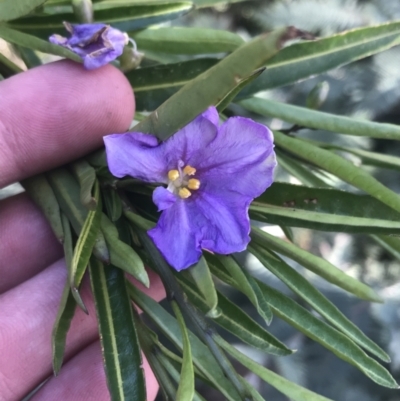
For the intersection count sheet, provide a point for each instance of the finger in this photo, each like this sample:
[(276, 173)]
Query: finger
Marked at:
[(27, 244), (83, 379), (27, 315), (58, 112)]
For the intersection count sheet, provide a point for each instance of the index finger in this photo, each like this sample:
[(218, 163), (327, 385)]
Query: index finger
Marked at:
[(58, 112)]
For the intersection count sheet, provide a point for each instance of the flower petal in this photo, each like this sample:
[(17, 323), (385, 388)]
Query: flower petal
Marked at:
[(211, 114), (174, 238), (83, 33), (222, 220), (137, 155), (188, 144), (163, 198), (240, 160), (97, 44)]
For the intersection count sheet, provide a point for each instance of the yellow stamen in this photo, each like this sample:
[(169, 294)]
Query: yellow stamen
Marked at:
[(193, 183), (184, 193), (189, 170), (173, 175)]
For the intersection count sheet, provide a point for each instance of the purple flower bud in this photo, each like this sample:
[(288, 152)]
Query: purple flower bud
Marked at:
[(211, 174), (96, 44)]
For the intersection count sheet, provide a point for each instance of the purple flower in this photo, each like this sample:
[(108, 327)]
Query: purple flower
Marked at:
[(211, 172), (97, 44)]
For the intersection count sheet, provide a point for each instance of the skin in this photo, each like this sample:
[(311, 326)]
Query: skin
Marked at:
[(49, 116)]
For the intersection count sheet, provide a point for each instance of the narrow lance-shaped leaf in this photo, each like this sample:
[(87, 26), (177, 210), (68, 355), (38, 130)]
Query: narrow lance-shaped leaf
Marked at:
[(7, 67), (300, 206), (39, 189), (247, 288), (121, 254), (301, 286), (66, 309), (186, 384), (320, 120), (121, 353), (339, 167), (237, 322), (61, 326), (319, 331), (67, 192), (174, 373), (303, 60), (223, 103), (330, 338), (214, 84), (304, 174), (32, 42), (11, 9), (183, 40), (202, 357), (149, 345), (154, 85), (285, 386), (69, 257), (315, 264), (112, 203), (86, 241), (125, 16), (86, 176), (200, 273), (391, 244)]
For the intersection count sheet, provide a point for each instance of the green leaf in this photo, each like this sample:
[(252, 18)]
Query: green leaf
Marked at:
[(66, 309), (186, 384), (68, 246), (321, 120), (304, 174), (315, 264), (121, 352), (304, 289), (211, 86), (319, 331), (154, 85), (61, 326), (223, 104), (32, 42), (121, 254), (237, 322), (125, 17), (86, 241), (181, 40), (139, 221), (29, 57), (248, 286), (372, 158), (391, 244), (285, 386), (170, 367), (40, 191), (86, 176), (327, 336), (303, 60), (202, 357), (11, 9), (339, 167), (213, 3), (112, 203), (7, 67), (67, 192), (200, 274), (150, 345)]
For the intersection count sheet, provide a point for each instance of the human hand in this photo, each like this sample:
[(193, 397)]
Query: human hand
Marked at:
[(49, 116)]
